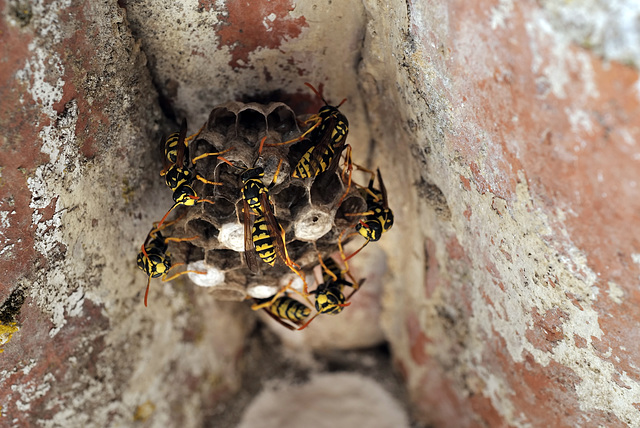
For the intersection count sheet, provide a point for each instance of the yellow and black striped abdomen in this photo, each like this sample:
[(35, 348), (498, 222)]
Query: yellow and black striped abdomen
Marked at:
[(324, 160), (386, 219), (287, 308), (303, 169), (262, 241), (332, 267), (327, 138), (308, 167), (171, 147)]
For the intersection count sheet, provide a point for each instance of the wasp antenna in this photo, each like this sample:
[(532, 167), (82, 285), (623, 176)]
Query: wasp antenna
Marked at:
[(144, 251), (309, 322), (146, 293), (166, 215), (359, 249), (341, 102), (262, 144), (315, 91), (226, 161), (275, 175)]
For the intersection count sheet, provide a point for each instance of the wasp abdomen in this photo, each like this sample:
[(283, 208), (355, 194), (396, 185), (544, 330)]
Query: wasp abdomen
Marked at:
[(290, 309)]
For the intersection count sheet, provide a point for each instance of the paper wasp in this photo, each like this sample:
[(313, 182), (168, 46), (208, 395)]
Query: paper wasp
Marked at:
[(265, 235), (377, 219), (154, 260), (281, 307), (177, 175), (327, 134), (329, 295)]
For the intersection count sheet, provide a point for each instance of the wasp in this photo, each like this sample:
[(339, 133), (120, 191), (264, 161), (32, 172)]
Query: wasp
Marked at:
[(327, 133), (265, 235), (154, 260), (178, 176), (253, 188), (284, 309), (377, 219), (329, 295)]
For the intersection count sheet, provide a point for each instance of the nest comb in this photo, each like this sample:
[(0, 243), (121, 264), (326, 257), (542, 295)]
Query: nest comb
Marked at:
[(309, 209)]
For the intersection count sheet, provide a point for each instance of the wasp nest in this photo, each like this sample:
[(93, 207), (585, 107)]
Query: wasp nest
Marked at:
[(312, 211)]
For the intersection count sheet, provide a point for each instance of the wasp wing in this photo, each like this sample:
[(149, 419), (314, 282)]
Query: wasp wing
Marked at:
[(181, 144), (383, 190), (322, 147), (165, 162), (249, 251), (274, 228)]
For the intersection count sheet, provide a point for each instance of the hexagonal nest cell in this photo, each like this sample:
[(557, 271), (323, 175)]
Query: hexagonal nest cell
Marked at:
[(311, 211)]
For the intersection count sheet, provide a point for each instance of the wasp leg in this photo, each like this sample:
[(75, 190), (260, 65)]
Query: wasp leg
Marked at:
[(340, 247), (349, 166), (275, 176), (166, 215), (333, 276), (258, 306), (172, 239), (296, 269), (360, 214), (217, 154), (157, 229), (305, 325), (361, 168), (146, 293), (191, 137), (172, 277), (301, 295), (204, 180), (315, 118)]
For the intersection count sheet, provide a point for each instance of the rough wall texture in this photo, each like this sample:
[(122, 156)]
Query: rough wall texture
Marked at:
[(524, 311), (507, 133), (79, 126)]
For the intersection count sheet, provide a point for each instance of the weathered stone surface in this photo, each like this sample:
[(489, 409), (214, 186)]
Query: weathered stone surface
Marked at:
[(519, 303), (509, 145), (79, 190)]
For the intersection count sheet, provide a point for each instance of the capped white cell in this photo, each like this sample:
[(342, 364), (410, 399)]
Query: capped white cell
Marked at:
[(211, 278), (232, 236), (262, 291)]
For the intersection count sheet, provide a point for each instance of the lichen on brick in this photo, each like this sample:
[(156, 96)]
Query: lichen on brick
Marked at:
[(6, 332)]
